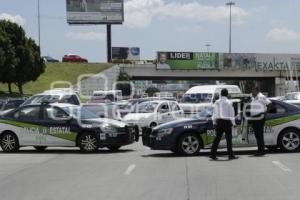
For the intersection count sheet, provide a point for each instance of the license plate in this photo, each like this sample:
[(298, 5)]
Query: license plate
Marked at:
[(102, 136)]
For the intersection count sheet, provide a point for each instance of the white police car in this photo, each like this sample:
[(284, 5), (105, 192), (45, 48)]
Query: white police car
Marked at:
[(64, 125), (188, 136)]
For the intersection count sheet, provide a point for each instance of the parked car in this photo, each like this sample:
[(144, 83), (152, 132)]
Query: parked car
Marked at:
[(53, 96), (9, 104), (62, 125), (198, 98), (49, 59), (153, 113), (102, 110), (188, 136), (74, 58), (292, 98)]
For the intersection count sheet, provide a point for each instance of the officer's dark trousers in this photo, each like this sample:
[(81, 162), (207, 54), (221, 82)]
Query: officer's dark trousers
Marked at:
[(258, 129), (223, 126)]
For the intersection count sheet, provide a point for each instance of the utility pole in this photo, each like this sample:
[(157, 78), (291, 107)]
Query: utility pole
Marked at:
[(230, 4), (39, 24), (108, 34)]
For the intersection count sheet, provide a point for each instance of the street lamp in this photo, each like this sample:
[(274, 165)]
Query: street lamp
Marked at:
[(39, 24), (207, 47), (230, 3)]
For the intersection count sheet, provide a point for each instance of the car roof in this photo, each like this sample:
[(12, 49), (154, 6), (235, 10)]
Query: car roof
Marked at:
[(211, 88)]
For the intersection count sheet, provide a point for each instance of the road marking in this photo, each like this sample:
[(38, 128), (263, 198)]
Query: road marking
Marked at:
[(129, 169), (281, 166)]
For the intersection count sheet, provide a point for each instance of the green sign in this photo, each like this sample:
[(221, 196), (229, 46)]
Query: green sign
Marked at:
[(188, 60)]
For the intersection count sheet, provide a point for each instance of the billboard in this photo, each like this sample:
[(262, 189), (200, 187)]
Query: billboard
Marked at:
[(95, 11), (187, 60), (240, 61), (126, 53)]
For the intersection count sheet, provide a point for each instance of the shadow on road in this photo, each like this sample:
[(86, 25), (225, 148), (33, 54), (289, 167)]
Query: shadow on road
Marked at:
[(69, 151), (250, 153)]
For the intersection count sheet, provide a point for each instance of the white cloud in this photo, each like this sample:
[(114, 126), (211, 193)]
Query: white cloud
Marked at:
[(140, 13), (88, 36), (282, 34), (13, 18)]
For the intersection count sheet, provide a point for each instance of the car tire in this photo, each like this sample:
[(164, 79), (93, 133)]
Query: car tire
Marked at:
[(189, 144), (114, 148), (289, 140), (153, 124), (9, 142), (40, 148), (88, 143)]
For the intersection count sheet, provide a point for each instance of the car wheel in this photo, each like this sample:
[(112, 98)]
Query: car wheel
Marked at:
[(289, 140), (114, 148), (189, 144), (40, 148), (88, 143), (9, 142), (153, 124)]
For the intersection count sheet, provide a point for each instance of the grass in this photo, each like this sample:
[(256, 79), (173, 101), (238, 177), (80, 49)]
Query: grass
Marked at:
[(57, 72)]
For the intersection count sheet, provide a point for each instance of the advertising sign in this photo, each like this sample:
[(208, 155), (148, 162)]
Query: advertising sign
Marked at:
[(126, 53), (187, 60), (95, 11), (238, 61), (277, 62)]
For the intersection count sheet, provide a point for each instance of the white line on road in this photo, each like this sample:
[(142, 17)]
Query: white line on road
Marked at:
[(129, 169), (281, 166)]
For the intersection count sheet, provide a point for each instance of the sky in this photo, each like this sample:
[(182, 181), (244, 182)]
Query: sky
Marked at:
[(259, 26)]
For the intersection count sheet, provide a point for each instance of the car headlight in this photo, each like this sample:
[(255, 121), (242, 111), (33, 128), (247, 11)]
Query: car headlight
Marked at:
[(107, 128), (165, 131)]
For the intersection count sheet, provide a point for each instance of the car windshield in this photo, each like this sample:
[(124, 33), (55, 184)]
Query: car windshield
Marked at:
[(197, 98), (41, 98), (206, 113), (295, 96), (146, 107), (80, 112)]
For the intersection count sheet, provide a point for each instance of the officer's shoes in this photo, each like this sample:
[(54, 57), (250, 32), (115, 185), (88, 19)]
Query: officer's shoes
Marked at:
[(213, 157), (232, 157)]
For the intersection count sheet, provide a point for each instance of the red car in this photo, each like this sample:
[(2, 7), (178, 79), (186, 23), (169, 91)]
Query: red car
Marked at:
[(73, 58)]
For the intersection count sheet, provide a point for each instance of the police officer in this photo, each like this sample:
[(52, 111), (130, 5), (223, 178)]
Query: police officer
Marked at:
[(223, 120), (259, 107)]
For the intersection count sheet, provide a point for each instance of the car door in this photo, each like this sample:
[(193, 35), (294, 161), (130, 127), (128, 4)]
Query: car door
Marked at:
[(27, 121), (164, 113), (276, 112), (176, 111), (62, 129)]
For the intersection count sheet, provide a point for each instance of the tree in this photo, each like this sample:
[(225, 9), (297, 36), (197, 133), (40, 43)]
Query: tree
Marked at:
[(124, 87), (151, 91), (22, 61)]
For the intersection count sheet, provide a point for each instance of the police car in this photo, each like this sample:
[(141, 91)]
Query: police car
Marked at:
[(64, 125), (188, 136)]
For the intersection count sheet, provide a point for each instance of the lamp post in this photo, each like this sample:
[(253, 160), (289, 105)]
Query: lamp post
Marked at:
[(230, 4), (207, 47), (39, 24)]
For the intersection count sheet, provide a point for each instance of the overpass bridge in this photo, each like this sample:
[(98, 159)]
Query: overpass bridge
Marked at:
[(275, 80)]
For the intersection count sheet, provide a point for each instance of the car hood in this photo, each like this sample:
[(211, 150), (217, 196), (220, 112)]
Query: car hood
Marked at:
[(182, 122), (100, 121), (194, 107), (136, 116)]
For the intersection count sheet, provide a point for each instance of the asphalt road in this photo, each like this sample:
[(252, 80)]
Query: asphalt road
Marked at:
[(137, 173)]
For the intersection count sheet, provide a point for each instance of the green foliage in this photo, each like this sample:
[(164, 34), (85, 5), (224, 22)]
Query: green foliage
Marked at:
[(68, 72), (124, 87), (151, 91), (20, 56)]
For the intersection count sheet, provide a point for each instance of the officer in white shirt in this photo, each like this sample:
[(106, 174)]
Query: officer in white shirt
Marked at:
[(259, 107), (223, 120)]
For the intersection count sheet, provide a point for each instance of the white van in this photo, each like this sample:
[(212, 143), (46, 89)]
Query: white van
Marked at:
[(198, 98), (107, 96)]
